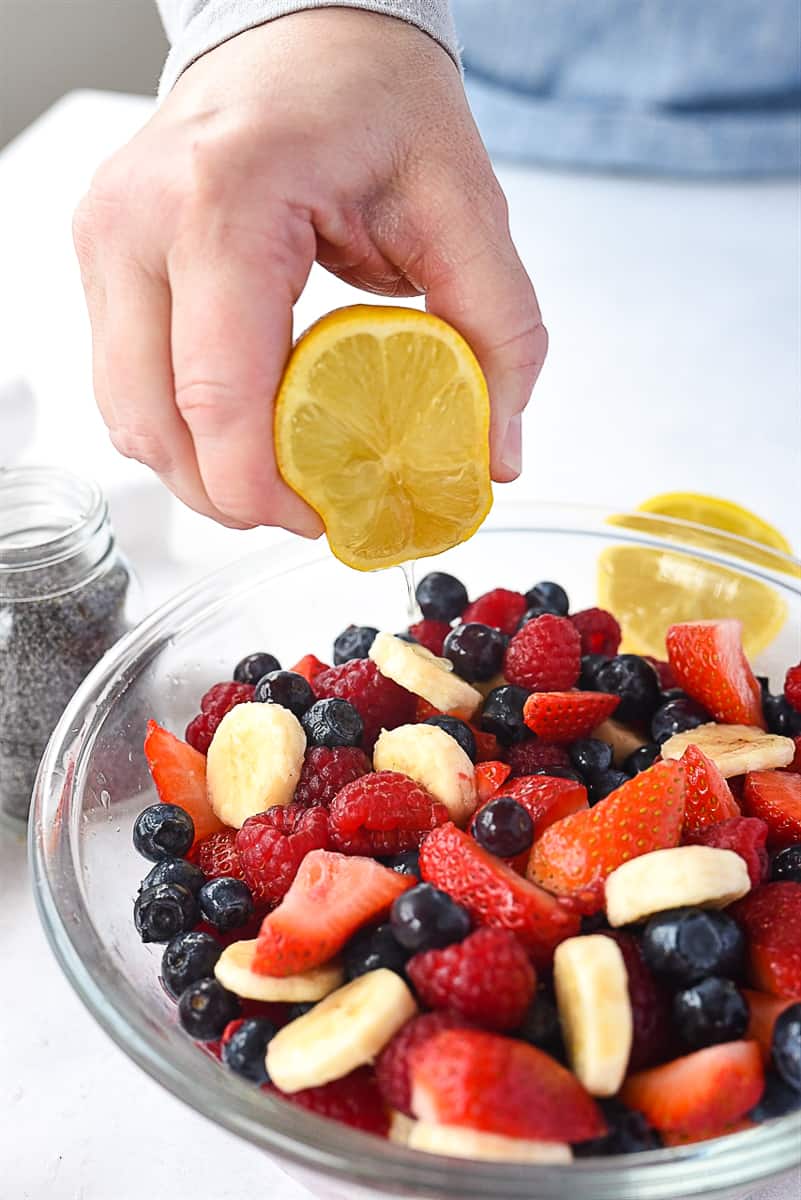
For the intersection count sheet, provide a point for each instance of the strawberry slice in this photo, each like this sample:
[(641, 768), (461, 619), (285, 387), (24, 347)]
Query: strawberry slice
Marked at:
[(574, 856), (331, 897), (708, 798), (670, 1138), (565, 716), (763, 1009), (490, 777), (709, 663), (775, 797), (771, 919), (746, 836), (709, 1089), (498, 1085), (179, 773), (310, 667), (493, 894)]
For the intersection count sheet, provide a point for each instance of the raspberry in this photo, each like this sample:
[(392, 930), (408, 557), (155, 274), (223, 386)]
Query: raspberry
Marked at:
[(650, 1005), (430, 634), (487, 978), (664, 671), (381, 703), (216, 855), (545, 655), (272, 845), (598, 630), (218, 700), (326, 770), (392, 1067), (382, 814), (527, 757), (746, 836), (354, 1100), (500, 608), (792, 687)]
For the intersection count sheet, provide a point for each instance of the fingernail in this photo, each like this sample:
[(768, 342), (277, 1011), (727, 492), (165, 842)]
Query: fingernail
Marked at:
[(512, 447)]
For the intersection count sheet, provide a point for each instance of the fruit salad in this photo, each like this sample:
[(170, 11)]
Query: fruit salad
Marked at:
[(489, 887)]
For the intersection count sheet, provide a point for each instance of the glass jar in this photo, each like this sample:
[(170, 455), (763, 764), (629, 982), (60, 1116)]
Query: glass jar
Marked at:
[(65, 598)]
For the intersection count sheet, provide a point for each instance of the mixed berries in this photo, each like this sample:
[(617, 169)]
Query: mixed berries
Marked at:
[(490, 887)]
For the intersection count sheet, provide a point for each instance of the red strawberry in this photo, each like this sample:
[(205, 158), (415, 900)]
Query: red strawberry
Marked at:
[(310, 667), (499, 608), (352, 1100), (179, 773), (763, 1009), (795, 765), (493, 894), (547, 798), (498, 1085), (565, 716), (430, 634), (490, 776), (708, 661), (792, 687), (545, 655), (708, 797), (598, 630), (670, 1138), (775, 797), (706, 1090), (771, 919), (331, 896), (393, 1065), (576, 854), (383, 813), (746, 836), (487, 746), (650, 1005)]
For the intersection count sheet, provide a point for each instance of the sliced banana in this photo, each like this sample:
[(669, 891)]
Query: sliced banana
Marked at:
[(400, 1127), (254, 761), (699, 875), (624, 741), (344, 1031), (734, 749), (457, 1141), (421, 672), (592, 994), (235, 972), (433, 758)]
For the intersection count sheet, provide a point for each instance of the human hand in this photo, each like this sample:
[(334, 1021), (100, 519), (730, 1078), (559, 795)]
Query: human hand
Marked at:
[(339, 135)]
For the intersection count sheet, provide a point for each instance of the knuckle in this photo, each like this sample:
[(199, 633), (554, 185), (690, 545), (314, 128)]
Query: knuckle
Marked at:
[(142, 445), (205, 404)]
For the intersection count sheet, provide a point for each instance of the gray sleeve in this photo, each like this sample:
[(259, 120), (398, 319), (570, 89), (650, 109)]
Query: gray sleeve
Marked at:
[(196, 26)]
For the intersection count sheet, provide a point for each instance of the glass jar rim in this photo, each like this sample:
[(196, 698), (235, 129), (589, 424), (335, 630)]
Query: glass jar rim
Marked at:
[(84, 512)]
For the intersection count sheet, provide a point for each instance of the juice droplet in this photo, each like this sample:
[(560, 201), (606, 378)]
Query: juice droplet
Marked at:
[(411, 602)]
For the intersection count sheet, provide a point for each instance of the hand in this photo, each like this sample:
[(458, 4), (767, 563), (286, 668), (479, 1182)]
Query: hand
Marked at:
[(332, 134)]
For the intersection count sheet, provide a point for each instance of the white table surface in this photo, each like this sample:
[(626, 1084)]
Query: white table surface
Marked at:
[(674, 317)]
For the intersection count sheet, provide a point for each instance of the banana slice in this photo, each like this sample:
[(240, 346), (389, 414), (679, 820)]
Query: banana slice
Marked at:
[(254, 761), (457, 1141), (592, 994), (344, 1031), (431, 756), (421, 672), (235, 972), (734, 749), (700, 875), (624, 741), (400, 1127)]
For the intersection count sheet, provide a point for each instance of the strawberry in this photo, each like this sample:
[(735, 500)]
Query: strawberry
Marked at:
[(179, 773), (709, 663), (493, 894), (763, 1009), (775, 796), (792, 687), (746, 836), (575, 855), (771, 919), (331, 896), (393, 1065), (310, 667), (498, 1085), (795, 765), (670, 1138), (487, 746), (565, 716), (709, 1089), (490, 776), (708, 798)]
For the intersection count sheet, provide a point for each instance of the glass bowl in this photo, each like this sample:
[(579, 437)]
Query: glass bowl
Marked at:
[(93, 780)]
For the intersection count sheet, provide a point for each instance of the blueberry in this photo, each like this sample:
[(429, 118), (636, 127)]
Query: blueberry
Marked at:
[(558, 773), (764, 684), (205, 1008), (531, 614), (591, 756), (541, 1026), (405, 636), (163, 831), (162, 911), (687, 944), (458, 730), (677, 716), (374, 948), (405, 863), (590, 666), (286, 688), (604, 783), (786, 1046), (550, 597), (709, 1012), (254, 667), (594, 922), (777, 1099), (332, 723), (502, 713), (781, 717), (300, 1009), (786, 866), (226, 903), (441, 597), (629, 1133), (504, 828), (642, 758), (675, 693), (353, 642), (175, 870), (424, 918), (637, 684), (188, 957), (475, 650), (245, 1050)]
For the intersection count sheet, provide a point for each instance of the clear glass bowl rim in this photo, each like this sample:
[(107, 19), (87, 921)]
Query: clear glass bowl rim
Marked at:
[(292, 1134)]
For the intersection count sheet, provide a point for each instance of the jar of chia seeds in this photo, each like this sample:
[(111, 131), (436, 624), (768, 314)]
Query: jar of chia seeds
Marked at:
[(65, 598)]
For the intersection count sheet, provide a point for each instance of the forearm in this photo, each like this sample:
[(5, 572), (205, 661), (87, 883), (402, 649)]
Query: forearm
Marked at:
[(194, 27)]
